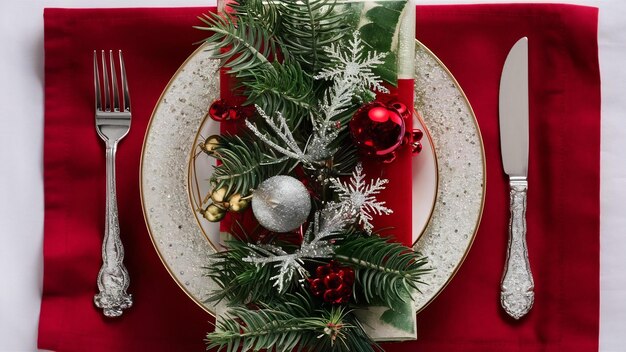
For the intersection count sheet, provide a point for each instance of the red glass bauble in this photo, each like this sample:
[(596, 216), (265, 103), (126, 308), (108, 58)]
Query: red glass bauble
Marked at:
[(402, 109), (416, 137), (416, 148), (220, 110), (377, 129)]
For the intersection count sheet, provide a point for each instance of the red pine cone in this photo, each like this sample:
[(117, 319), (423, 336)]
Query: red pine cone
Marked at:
[(333, 283)]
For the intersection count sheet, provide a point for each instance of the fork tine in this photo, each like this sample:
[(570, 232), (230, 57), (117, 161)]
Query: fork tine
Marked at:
[(96, 81), (106, 87), (116, 95), (124, 83)]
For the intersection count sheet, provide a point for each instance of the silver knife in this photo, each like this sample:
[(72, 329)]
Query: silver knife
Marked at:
[(516, 295)]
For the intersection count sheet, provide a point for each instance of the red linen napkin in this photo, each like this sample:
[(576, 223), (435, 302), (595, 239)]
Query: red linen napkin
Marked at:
[(155, 42), (563, 203), (564, 171)]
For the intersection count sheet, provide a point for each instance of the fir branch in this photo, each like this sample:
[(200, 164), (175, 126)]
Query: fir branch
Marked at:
[(308, 26), (244, 164), (260, 329), (239, 281), (346, 158), (286, 89), (245, 41), (242, 43), (290, 325), (264, 12), (384, 270)]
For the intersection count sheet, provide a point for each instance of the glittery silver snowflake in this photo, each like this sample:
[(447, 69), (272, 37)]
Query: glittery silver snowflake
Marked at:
[(351, 73), (354, 65), (281, 130), (316, 244), (287, 264), (360, 196), (284, 142)]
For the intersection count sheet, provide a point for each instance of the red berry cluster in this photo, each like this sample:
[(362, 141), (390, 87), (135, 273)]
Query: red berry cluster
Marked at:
[(333, 283)]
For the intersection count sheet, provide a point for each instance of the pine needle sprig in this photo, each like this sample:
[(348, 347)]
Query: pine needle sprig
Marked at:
[(264, 12), (242, 43), (289, 325), (239, 281), (384, 270), (343, 333), (286, 88), (254, 330), (359, 340), (244, 164), (308, 26)]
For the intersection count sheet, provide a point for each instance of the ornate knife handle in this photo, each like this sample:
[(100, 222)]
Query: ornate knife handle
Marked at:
[(516, 295), (113, 277)]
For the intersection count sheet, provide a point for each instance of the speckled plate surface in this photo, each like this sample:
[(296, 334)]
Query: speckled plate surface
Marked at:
[(168, 144)]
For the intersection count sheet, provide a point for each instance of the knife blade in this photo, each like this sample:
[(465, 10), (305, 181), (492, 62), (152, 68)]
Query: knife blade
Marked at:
[(516, 289)]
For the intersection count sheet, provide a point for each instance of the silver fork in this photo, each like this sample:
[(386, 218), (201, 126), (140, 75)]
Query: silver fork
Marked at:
[(112, 124)]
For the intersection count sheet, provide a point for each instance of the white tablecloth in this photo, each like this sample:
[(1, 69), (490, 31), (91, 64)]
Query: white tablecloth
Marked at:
[(21, 178)]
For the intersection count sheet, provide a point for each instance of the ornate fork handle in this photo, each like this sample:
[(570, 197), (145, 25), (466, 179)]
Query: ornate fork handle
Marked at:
[(517, 294), (113, 277)]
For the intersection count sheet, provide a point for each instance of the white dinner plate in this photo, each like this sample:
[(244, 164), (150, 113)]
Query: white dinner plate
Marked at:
[(458, 184)]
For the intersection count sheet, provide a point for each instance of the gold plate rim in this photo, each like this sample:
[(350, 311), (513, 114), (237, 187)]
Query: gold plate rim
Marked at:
[(141, 178), (484, 169)]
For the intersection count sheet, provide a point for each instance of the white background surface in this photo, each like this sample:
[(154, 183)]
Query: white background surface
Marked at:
[(21, 173)]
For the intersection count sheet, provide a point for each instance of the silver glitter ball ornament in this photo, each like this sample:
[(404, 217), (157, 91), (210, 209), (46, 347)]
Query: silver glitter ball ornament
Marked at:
[(281, 203)]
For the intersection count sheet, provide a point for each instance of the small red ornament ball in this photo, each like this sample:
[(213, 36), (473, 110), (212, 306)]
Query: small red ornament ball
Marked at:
[(377, 129), (333, 283), (222, 110), (416, 137)]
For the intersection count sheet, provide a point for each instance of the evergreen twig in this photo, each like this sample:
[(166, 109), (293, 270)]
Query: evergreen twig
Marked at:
[(286, 88), (242, 43), (239, 281), (384, 270), (244, 164), (308, 26), (289, 325)]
